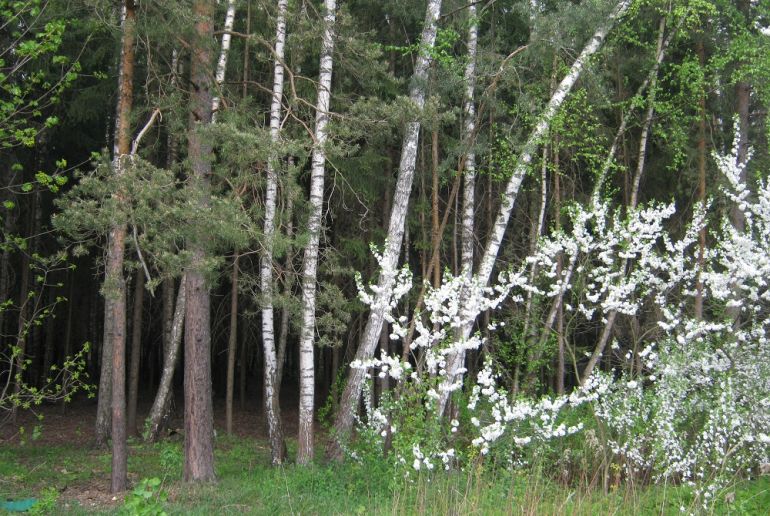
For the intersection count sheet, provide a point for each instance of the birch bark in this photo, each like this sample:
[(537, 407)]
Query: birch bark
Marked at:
[(349, 401), (456, 359), (523, 163), (305, 450), (272, 407)]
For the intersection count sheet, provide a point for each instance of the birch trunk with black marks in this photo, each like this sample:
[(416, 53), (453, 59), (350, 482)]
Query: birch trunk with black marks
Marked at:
[(305, 450), (526, 156), (456, 359), (272, 406), (344, 420), (224, 52)]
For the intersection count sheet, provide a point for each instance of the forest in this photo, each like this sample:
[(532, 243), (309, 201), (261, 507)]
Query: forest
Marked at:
[(385, 256)]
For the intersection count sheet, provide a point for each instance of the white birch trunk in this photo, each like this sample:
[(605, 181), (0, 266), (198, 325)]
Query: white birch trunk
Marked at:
[(456, 359), (224, 51), (349, 401), (272, 407), (528, 152), (161, 407), (305, 450)]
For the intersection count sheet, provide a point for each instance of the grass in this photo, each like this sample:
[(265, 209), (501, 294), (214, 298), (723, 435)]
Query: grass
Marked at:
[(247, 484)]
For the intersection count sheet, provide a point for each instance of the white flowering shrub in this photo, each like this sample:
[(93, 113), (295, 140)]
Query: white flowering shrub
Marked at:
[(693, 408)]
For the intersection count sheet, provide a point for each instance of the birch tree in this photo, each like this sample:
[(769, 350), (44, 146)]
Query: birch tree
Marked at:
[(457, 358), (272, 406), (305, 448), (522, 166), (352, 393)]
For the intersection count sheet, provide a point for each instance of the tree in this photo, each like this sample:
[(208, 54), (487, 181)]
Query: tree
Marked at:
[(114, 282), (272, 406), (344, 419), (305, 450), (198, 411)]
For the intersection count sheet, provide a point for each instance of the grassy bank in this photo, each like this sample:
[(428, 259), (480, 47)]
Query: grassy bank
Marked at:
[(70, 479)]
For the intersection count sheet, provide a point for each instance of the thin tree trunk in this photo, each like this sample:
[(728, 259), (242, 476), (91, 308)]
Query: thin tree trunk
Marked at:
[(434, 209), (456, 359), (272, 405), (612, 316), (283, 334), (161, 407), (344, 419), (223, 54), (305, 450), (698, 308), (539, 131), (198, 412), (560, 363), (22, 331), (136, 347), (232, 347)]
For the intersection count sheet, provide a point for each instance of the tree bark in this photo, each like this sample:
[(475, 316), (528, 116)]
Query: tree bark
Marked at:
[(161, 407), (114, 281), (232, 345), (352, 393), (198, 413), (456, 359), (272, 405), (136, 348), (283, 334), (305, 450), (223, 54)]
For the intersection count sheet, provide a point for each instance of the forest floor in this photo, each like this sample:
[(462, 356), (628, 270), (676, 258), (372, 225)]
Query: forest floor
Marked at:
[(60, 467)]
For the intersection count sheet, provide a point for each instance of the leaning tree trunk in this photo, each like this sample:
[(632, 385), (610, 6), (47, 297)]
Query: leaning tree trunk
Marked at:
[(161, 407), (352, 393), (456, 359), (524, 160), (198, 411), (272, 406), (305, 449), (604, 338)]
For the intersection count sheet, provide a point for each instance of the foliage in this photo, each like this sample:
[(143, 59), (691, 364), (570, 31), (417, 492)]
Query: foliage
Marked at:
[(146, 499), (694, 408)]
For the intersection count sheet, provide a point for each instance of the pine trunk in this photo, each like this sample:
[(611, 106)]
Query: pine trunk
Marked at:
[(198, 412)]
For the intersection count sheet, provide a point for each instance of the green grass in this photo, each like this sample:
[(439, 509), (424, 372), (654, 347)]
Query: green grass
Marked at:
[(247, 484)]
